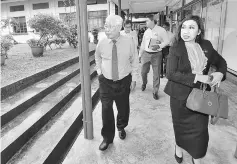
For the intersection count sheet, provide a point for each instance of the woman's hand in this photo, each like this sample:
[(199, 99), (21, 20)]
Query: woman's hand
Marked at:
[(203, 78), (217, 77)]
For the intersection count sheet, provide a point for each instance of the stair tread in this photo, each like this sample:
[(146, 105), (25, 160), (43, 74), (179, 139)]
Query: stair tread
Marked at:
[(38, 149), (21, 123), (24, 95)]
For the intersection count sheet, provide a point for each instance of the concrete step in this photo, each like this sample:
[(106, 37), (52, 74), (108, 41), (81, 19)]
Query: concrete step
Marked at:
[(14, 105), (55, 133), (19, 131), (19, 85)]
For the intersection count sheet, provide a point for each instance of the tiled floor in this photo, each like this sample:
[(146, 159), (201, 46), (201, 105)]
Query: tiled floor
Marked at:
[(150, 137)]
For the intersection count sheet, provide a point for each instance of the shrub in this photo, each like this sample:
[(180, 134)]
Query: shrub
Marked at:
[(48, 27), (72, 37), (36, 43), (6, 44)]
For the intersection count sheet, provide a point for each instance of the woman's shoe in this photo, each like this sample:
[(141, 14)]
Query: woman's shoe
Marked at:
[(178, 159)]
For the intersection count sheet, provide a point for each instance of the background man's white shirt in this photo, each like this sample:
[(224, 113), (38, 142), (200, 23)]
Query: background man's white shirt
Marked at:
[(133, 34), (158, 33)]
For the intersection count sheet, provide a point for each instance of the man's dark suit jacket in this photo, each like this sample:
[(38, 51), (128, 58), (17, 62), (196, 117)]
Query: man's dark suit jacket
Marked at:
[(179, 72)]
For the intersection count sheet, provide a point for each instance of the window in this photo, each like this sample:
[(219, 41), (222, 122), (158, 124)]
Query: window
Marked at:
[(21, 27), (38, 6), (96, 19), (66, 3), (69, 18), (91, 2), (17, 8)]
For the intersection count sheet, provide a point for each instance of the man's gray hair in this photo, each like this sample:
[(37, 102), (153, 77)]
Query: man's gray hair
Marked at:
[(115, 20)]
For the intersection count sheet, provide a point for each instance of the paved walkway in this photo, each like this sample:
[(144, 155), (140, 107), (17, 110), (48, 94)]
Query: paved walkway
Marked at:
[(150, 136)]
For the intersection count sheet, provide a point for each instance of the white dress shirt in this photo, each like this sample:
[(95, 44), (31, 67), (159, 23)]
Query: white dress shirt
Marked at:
[(127, 57), (158, 33), (133, 34)]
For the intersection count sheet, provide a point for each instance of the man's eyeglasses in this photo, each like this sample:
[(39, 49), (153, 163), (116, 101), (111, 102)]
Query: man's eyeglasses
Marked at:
[(127, 26), (109, 27)]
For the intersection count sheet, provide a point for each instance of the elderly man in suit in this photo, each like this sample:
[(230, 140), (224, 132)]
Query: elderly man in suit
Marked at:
[(117, 67)]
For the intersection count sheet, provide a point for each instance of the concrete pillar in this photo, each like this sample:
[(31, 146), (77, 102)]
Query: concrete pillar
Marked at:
[(83, 50), (108, 11), (161, 18), (112, 7), (128, 14), (236, 151), (119, 7)]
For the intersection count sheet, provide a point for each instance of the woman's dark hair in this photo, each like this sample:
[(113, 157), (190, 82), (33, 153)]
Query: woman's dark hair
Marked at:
[(167, 24), (199, 22)]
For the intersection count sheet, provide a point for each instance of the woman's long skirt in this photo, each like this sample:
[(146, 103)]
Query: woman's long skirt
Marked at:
[(190, 128)]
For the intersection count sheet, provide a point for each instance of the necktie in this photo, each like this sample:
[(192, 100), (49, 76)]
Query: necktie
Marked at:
[(115, 75)]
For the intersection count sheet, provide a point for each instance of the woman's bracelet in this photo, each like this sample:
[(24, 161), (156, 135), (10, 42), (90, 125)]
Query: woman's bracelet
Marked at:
[(211, 77)]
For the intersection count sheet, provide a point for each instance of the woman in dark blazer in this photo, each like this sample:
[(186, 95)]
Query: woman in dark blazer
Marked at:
[(188, 63)]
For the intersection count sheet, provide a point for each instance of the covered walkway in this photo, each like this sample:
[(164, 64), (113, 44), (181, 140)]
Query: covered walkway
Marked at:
[(150, 138)]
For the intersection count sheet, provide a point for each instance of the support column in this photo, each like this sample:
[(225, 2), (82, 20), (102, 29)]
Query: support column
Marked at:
[(108, 12), (128, 14), (83, 51), (171, 21), (119, 7), (162, 18), (236, 152)]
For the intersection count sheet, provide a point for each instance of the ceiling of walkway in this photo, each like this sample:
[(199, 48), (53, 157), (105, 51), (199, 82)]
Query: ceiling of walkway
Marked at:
[(146, 6)]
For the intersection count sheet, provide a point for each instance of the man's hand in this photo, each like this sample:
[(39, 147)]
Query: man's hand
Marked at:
[(155, 47), (133, 85)]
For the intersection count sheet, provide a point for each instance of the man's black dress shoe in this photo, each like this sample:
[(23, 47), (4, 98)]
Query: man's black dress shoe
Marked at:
[(178, 159), (155, 96), (122, 134), (104, 145), (143, 87)]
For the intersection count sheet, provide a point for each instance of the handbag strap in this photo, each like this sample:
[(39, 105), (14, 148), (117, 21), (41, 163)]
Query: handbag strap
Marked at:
[(213, 118)]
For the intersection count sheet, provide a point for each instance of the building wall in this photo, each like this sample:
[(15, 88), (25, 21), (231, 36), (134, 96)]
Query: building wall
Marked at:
[(229, 51), (53, 9)]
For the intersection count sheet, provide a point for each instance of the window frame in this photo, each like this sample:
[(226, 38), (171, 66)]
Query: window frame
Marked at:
[(22, 26), (11, 7), (39, 4)]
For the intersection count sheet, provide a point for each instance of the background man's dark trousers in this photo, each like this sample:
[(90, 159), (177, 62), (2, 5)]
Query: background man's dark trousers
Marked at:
[(165, 53), (119, 92), (153, 59)]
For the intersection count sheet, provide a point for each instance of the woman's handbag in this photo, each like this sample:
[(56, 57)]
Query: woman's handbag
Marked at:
[(208, 102)]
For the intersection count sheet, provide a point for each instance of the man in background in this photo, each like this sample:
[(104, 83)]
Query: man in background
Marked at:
[(128, 31), (165, 50), (152, 55)]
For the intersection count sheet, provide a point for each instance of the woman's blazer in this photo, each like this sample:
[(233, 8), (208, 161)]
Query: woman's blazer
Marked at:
[(179, 72)]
